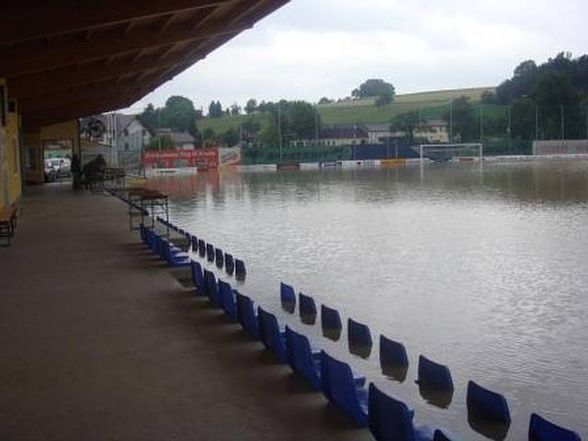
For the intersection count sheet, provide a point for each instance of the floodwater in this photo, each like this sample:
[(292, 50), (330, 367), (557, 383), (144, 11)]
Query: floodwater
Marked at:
[(483, 269)]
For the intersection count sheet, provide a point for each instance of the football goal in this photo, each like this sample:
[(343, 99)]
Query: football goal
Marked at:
[(451, 152)]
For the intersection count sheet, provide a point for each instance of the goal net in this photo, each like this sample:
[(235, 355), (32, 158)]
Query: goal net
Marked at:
[(451, 152)]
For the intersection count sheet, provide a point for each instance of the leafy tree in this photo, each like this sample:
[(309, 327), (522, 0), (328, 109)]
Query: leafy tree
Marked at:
[(230, 137), (325, 100), (149, 117), (523, 119), (463, 119), (235, 109), (408, 123), (384, 99), (179, 114), (251, 106), (167, 143), (209, 134), (215, 109), (374, 88)]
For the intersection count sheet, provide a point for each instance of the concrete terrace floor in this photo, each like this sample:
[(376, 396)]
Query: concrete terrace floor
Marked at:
[(100, 342)]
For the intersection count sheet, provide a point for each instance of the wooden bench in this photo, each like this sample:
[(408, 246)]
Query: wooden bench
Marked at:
[(8, 217)]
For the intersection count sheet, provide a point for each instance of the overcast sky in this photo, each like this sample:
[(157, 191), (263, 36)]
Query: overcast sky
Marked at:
[(314, 48)]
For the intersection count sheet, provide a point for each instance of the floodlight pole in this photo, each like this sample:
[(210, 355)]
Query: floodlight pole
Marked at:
[(481, 122), (562, 129), (450, 121), (280, 128), (536, 122)]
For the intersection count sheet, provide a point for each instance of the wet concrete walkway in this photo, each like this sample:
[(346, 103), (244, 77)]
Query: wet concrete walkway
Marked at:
[(100, 342)]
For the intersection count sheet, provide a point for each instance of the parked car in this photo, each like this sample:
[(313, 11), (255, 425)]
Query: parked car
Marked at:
[(51, 170)]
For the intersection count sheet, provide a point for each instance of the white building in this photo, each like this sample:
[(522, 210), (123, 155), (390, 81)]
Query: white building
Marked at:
[(124, 133)]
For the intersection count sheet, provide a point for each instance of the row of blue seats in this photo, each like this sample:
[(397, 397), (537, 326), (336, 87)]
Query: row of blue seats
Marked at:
[(482, 404), (386, 417), (212, 254)]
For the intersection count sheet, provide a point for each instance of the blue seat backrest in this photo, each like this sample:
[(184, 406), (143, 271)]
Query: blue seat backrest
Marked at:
[(301, 359), (194, 243), (389, 419), (339, 386), (306, 305), (201, 248), (229, 264), (287, 297), (219, 258), (211, 287), (246, 314), (227, 299), (240, 271), (434, 375), (392, 353), (330, 318), (443, 435), (358, 334), (270, 335), (198, 277), (487, 404), (209, 252), (542, 430)]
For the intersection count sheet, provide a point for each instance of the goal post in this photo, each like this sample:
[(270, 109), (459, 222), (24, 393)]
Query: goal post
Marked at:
[(448, 152)]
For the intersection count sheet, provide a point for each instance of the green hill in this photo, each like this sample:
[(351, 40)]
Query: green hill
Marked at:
[(432, 105)]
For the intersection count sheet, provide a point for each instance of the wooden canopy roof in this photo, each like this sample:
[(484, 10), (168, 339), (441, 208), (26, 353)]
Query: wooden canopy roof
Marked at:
[(84, 57)]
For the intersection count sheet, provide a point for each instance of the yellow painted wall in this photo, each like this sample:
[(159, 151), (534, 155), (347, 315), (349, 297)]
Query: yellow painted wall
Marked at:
[(12, 157), (10, 180)]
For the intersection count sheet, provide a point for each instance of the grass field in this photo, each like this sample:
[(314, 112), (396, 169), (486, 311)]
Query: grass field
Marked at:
[(431, 105)]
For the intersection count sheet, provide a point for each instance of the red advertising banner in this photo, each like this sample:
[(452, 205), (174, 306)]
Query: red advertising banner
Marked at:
[(201, 158)]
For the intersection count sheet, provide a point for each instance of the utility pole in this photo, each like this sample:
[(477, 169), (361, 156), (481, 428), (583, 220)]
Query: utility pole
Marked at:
[(562, 128), (316, 131), (280, 128), (536, 122), (451, 122), (159, 128), (509, 128), (481, 123)]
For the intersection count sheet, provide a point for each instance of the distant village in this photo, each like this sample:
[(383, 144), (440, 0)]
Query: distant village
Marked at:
[(123, 138)]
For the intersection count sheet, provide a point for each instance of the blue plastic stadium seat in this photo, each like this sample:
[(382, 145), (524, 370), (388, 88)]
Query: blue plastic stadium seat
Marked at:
[(392, 353), (287, 297), (246, 315), (341, 389), (301, 358), (198, 278), (219, 258), (194, 243), (331, 322), (173, 255), (270, 334), (201, 248), (392, 420), (240, 271), (542, 430), (211, 288), (306, 309), (227, 298), (434, 375), (210, 252), (485, 404), (444, 435), (229, 264), (359, 338)]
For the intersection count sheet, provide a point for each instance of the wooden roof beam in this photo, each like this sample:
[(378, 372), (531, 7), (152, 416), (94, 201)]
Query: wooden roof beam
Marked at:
[(33, 19), (20, 61), (59, 79)]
